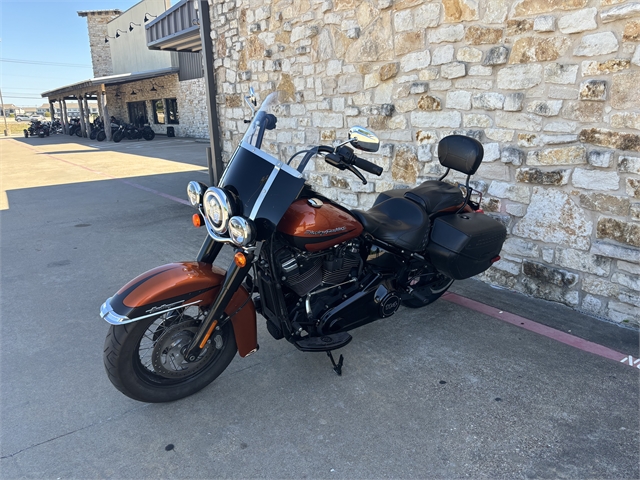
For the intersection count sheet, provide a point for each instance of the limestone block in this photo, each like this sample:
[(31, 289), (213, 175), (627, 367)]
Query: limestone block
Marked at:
[(553, 217), (529, 140), (544, 23), (403, 21), (480, 70), (327, 120), (495, 11), (600, 158), (548, 108), (636, 56), (496, 56), (619, 230), (633, 187), (499, 135), (469, 54), (488, 101), (405, 165), (491, 152), (540, 177), (624, 90), (625, 120), (560, 73), (591, 68), (631, 31), (516, 209), (619, 252), (583, 111), (520, 77), (428, 103), (627, 164), (453, 70), (519, 121), (594, 90), (532, 7), (595, 179), (442, 54), (389, 70), (611, 139), (460, 10), (547, 274), (620, 312), (620, 12), (591, 304), (518, 27), (427, 16), (475, 119), (628, 267), (579, 21), (350, 83), (424, 153), (493, 171), (451, 119), (558, 139), (597, 44), (560, 127), (605, 203), (409, 42), (449, 33), (375, 43), (473, 83), (459, 100), (415, 61), (417, 88), (634, 212), (584, 262), (563, 93), (538, 49), (517, 193), (574, 155), (477, 35), (513, 102)]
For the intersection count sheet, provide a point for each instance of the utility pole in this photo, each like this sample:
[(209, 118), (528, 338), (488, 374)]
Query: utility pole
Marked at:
[(4, 114)]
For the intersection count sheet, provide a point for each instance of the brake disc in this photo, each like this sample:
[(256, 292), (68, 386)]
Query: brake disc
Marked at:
[(167, 357)]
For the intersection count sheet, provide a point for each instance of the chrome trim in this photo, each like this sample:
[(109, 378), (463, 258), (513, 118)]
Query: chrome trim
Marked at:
[(226, 211), (108, 315), (265, 190), (195, 192), (246, 227), (212, 233)]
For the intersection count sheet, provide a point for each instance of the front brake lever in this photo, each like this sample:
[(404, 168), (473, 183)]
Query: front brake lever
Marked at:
[(357, 173)]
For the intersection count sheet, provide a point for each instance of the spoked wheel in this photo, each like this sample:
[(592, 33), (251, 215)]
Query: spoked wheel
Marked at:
[(429, 285), (145, 359)]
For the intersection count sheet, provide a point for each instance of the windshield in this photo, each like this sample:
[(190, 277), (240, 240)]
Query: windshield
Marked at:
[(265, 185)]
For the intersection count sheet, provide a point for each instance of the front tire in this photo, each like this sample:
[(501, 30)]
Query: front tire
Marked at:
[(143, 359), (101, 136), (79, 132), (117, 136)]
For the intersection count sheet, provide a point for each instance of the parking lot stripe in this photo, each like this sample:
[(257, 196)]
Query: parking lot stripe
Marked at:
[(544, 330)]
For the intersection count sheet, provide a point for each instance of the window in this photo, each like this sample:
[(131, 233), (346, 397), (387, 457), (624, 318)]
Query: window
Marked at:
[(172, 111), (158, 111), (137, 113)]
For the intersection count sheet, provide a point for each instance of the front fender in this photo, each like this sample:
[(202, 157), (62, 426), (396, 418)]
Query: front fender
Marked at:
[(177, 285)]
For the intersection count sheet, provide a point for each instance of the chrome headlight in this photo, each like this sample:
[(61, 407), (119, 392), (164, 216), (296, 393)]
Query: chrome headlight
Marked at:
[(241, 231), (217, 209), (195, 192)]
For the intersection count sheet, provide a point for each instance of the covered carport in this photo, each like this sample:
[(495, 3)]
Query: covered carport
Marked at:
[(96, 89)]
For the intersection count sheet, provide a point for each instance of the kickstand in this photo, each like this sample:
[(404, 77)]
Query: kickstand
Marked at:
[(336, 368)]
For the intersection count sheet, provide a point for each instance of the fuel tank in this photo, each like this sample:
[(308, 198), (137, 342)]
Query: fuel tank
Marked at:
[(313, 225)]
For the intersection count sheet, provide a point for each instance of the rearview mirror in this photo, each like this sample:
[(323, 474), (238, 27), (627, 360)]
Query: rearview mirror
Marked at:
[(364, 139)]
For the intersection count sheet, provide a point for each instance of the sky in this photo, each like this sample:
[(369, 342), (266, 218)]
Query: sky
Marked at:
[(52, 38)]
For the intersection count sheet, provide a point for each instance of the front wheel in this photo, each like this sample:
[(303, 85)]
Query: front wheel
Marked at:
[(117, 136), (429, 286), (148, 134), (101, 136), (144, 360), (79, 132)]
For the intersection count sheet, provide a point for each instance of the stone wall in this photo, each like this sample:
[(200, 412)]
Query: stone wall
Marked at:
[(189, 95), (100, 51), (550, 87)]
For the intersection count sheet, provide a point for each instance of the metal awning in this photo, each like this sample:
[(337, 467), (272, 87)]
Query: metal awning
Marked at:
[(176, 30), (118, 79)]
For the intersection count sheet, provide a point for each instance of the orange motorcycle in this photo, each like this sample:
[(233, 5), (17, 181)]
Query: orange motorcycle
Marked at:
[(312, 268)]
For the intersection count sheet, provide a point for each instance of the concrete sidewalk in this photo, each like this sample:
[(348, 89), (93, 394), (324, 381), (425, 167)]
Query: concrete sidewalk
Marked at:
[(440, 392)]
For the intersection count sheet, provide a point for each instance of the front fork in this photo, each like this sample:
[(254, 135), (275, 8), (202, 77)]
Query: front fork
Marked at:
[(233, 279)]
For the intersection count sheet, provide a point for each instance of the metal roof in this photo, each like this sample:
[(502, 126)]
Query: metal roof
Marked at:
[(118, 79), (176, 30)]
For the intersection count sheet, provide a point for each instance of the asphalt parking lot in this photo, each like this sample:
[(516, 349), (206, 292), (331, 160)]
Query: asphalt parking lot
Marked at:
[(442, 392)]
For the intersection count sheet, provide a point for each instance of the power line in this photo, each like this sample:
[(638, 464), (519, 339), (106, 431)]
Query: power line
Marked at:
[(13, 60)]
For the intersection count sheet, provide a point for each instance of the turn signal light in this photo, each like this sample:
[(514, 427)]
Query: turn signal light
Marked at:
[(197, 220), (240, 259)]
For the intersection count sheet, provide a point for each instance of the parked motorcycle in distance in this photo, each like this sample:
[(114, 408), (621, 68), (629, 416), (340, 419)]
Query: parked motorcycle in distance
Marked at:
[(55, 127), (37, 128), (75, 128), (314, 269), (96, 127)]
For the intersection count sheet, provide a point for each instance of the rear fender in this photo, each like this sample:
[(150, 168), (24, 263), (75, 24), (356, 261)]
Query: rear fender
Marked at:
[(177, 285)]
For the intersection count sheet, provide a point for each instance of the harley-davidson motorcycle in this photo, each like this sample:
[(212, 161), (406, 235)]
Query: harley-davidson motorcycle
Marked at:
[(312, 268)]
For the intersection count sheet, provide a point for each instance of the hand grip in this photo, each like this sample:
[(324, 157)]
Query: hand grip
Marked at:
[(367, 166)]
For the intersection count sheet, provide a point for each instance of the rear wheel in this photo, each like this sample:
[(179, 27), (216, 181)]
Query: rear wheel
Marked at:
[(101, 136), (430, 286), (145, 361), (79, 132), (148, 134), (117, 136), (93, 134)]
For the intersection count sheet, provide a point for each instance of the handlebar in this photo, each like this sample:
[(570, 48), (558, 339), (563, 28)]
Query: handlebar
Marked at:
[(367, 166)]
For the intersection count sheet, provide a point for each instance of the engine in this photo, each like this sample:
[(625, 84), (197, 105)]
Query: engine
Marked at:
[(303, 272)]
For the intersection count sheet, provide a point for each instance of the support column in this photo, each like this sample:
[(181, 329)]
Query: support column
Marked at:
[(210, 82), (87, 115), (52, 110), (83, 126), (63, 114), (105, 112)]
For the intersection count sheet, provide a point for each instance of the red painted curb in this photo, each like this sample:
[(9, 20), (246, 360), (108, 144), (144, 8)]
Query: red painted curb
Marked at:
[(540, 329)]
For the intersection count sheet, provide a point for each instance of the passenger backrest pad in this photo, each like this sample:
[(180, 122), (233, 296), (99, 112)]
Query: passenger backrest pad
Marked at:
[(461, 153)]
